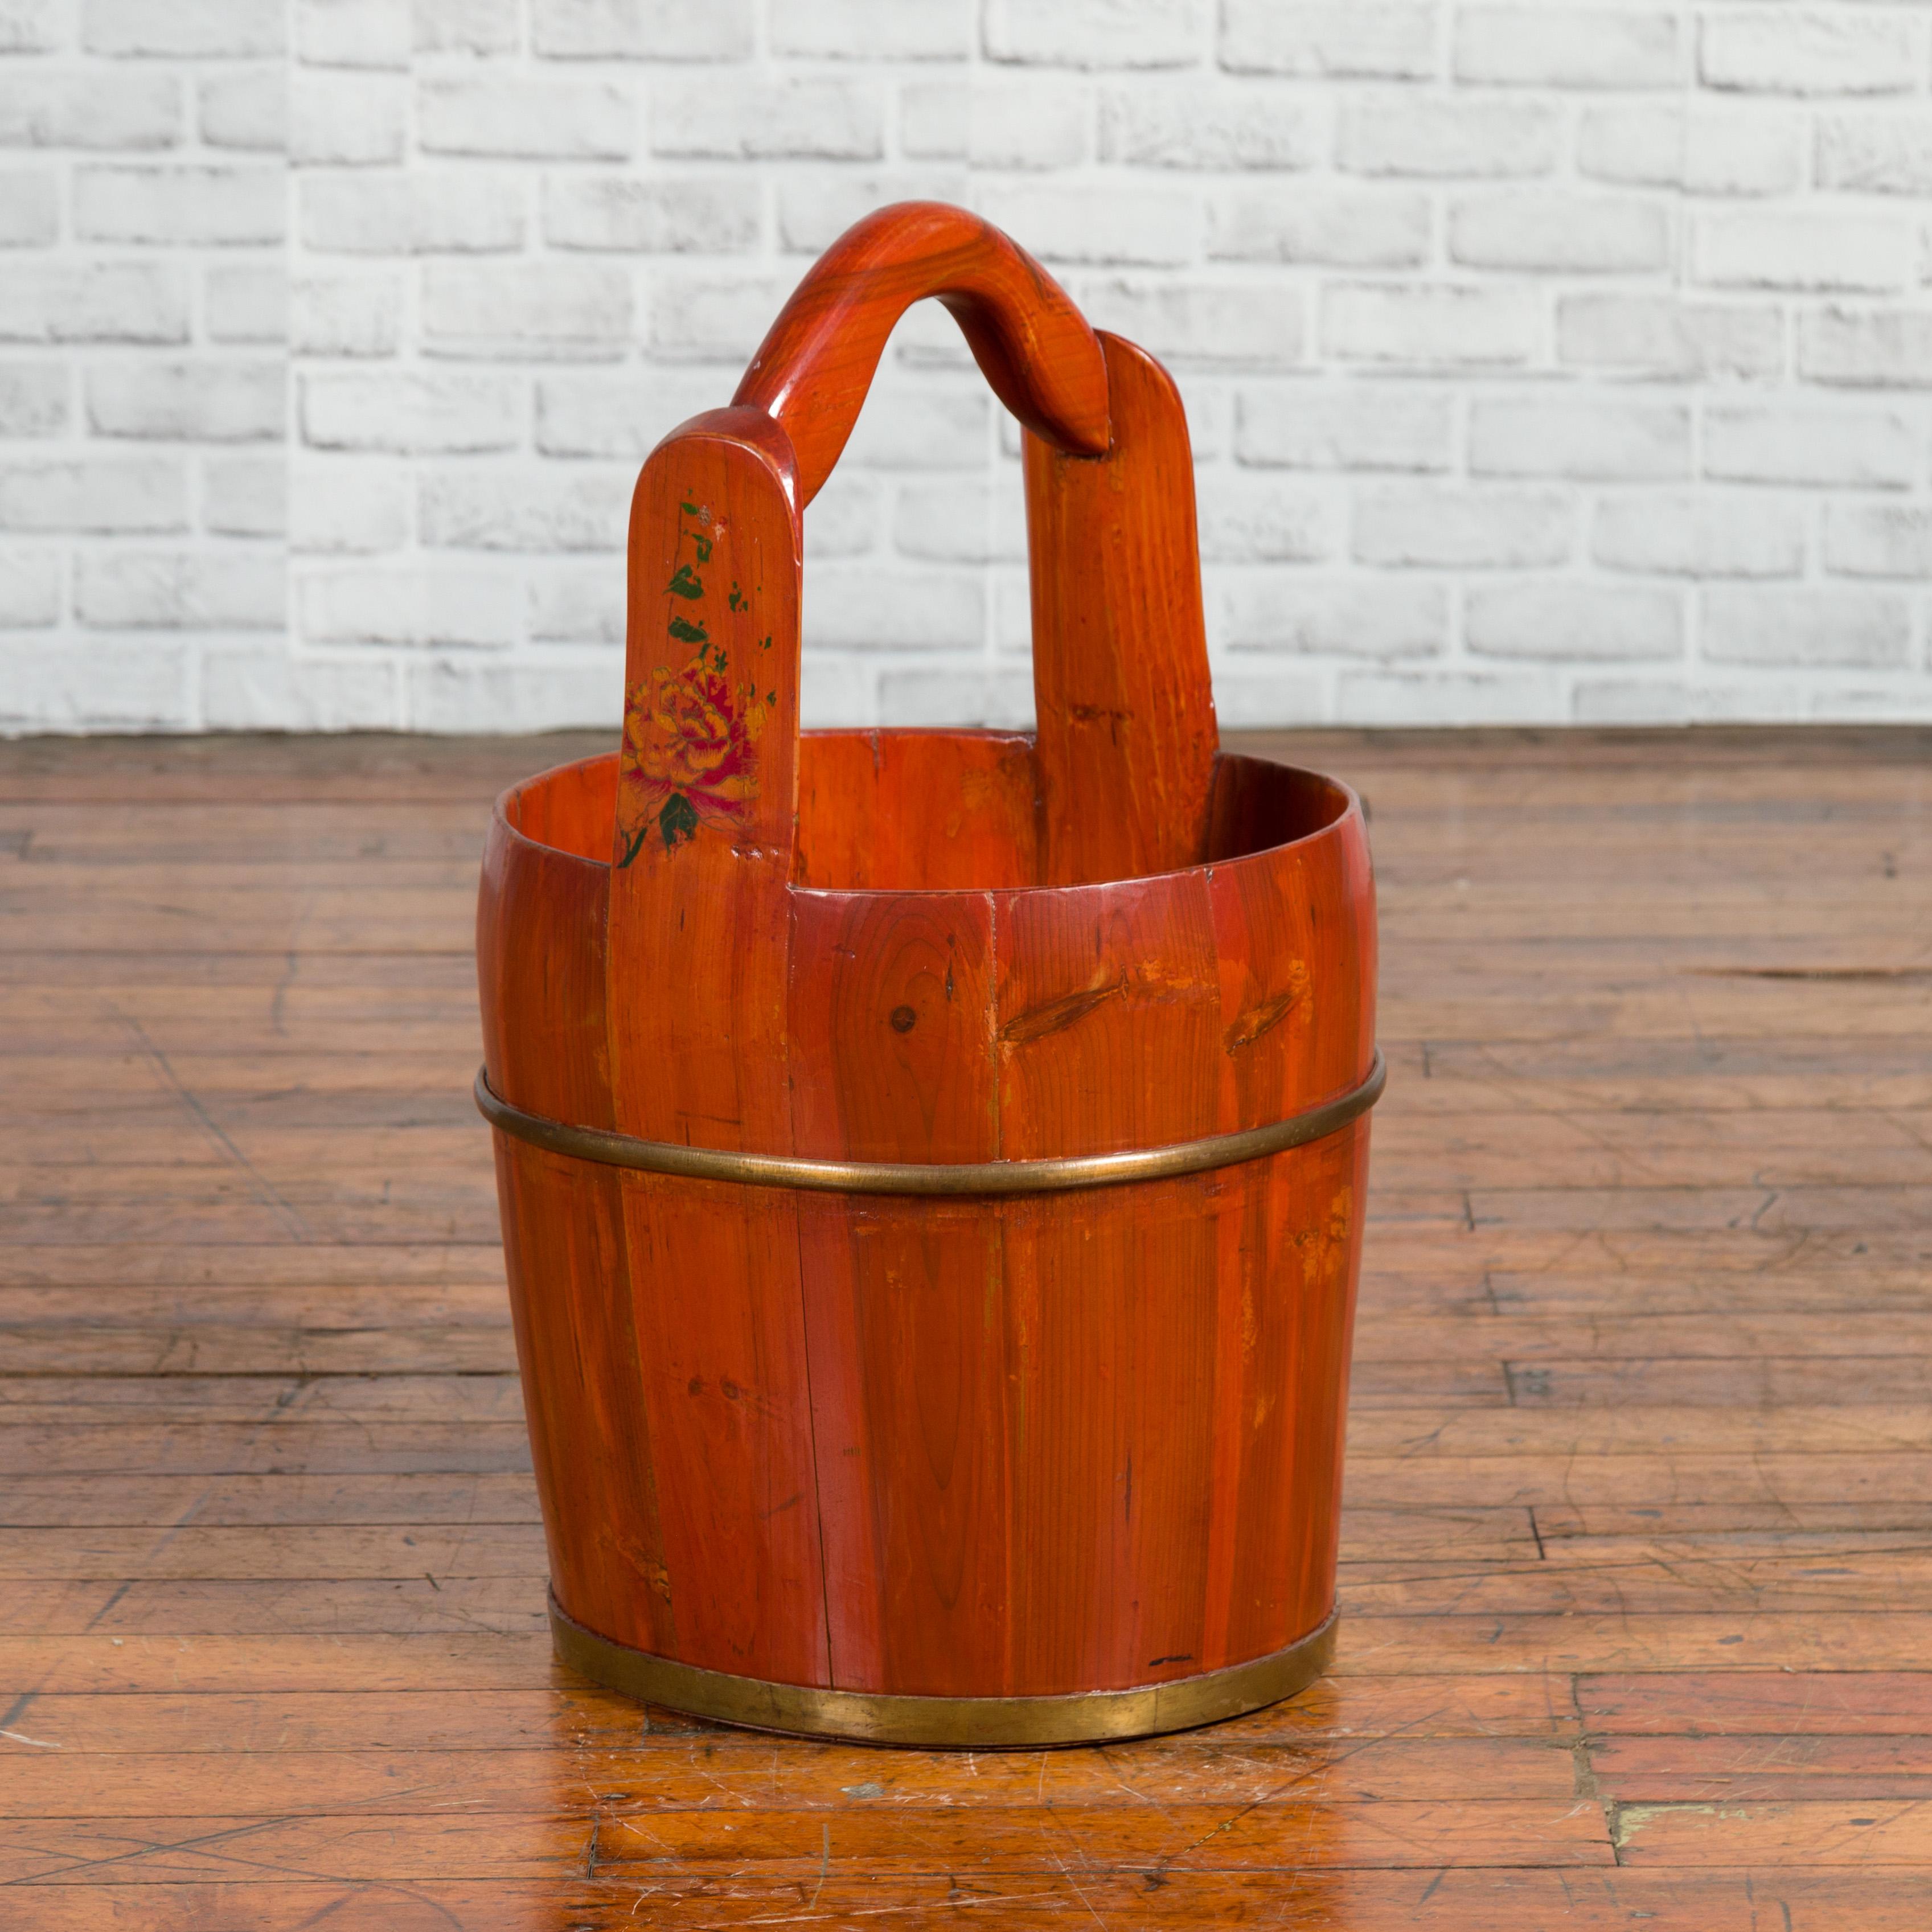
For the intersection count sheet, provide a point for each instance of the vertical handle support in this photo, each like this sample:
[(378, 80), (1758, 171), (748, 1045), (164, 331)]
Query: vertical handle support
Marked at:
[(1126, 708), (707, 786)]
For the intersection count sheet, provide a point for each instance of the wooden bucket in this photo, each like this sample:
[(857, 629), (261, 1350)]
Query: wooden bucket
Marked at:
[(931, 1162)]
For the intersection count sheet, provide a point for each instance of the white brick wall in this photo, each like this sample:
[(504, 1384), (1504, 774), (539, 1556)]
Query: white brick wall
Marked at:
[(1547, 359)]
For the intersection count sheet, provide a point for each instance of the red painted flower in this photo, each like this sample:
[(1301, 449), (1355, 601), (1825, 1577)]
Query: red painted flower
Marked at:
[(687, 752)]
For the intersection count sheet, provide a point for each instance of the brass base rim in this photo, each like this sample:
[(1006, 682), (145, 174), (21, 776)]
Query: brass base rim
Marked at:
[(958, 1724)]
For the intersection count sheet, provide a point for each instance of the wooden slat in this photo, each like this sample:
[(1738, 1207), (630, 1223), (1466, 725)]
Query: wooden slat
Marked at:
[(784, 1841), (1082, 1395), (698, 981), (655, 1778), (892, 1031)]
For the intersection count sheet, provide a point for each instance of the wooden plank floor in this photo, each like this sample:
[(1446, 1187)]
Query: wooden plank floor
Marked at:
[(1637, 1577)]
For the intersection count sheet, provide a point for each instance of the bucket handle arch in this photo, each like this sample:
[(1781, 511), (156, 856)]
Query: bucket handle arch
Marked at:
[(812, 372)]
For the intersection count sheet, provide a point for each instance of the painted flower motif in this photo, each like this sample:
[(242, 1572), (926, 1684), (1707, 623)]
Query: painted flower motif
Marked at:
[(687, 751), (688, 733), (688, 736)]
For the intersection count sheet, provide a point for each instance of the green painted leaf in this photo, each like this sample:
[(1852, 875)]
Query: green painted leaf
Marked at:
[(765, 642), (690, 509), (685, 582), (677, 820), (704, 544), (688, 633), (736, 600)]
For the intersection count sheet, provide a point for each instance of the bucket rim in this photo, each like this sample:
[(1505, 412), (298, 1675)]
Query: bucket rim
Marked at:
[(1352, 810)]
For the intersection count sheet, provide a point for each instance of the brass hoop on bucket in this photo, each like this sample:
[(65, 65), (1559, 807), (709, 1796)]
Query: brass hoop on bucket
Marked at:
[(970, 1178), (980, 1723)]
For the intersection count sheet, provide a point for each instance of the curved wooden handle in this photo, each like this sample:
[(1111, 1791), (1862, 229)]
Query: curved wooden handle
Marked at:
[(811, 371)]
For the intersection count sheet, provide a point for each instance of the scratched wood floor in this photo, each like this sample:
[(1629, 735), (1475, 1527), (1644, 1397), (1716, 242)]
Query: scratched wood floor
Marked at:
[(1637, 1564)]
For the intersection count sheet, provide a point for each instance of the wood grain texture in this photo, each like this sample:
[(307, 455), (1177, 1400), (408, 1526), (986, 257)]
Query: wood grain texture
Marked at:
[(1121, 690), (892, 1024), (1634, 1647), (963, 811)]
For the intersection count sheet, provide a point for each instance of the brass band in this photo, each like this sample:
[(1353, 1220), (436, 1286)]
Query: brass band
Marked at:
[(978, 1723), (971, 1177)]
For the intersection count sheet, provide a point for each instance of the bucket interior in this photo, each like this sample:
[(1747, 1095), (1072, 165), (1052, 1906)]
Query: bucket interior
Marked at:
[(932, 810)]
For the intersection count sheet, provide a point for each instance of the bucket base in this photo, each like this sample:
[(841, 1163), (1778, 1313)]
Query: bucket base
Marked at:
[(881, 1717)]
